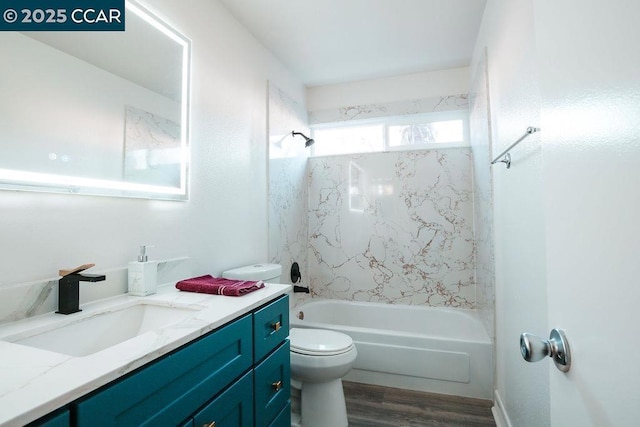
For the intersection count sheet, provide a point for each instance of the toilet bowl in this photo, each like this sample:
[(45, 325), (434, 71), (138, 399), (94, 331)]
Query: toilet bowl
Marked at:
[(319, 360)]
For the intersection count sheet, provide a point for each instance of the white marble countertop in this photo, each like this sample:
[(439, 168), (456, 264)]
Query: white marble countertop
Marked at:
[(34, 382)]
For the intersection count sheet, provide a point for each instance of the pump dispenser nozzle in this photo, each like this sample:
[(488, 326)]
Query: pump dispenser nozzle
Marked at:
[(143, 253)]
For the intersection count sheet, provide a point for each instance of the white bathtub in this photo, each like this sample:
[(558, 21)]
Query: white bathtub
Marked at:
[(438, 350)]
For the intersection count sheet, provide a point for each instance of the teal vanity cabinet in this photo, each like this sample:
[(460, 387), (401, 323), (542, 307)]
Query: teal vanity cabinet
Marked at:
[(234, 407), (270, 327), (169, 390), (59, 418), (272, 383), (235, 376)]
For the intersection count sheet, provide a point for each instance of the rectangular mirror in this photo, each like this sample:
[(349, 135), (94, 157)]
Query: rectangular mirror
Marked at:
[(100, 113)]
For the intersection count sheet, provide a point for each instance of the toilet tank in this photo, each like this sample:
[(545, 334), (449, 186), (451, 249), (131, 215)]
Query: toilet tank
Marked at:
[(269, 273)]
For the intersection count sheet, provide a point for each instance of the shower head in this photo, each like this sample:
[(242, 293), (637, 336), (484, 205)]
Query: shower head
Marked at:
[(307, 141)]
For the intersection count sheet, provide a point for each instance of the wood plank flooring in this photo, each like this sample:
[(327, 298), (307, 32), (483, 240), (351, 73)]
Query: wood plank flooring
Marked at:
[(376, 406)]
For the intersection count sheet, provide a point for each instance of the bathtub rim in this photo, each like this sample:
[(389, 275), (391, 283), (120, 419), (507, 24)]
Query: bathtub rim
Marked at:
[(472, 313)]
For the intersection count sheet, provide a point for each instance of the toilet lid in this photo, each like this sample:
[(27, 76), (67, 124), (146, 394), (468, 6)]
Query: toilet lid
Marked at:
[(319, 342)]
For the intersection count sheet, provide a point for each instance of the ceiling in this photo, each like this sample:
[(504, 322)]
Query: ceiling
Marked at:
[(336, 41)]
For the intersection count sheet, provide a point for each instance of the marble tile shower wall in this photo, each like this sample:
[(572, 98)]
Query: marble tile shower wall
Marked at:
[(400, 108), (288, 200), (393, 227), (480, 128), (288, 214)]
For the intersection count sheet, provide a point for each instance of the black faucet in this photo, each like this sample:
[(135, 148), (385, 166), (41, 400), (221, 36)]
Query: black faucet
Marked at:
[(296, 277), (69, 291)]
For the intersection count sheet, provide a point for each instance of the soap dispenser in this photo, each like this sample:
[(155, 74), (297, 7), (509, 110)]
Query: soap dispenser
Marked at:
[(143, 274)]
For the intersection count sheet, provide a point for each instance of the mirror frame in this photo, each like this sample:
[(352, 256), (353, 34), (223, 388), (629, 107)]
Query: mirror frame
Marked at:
[(11, 179)]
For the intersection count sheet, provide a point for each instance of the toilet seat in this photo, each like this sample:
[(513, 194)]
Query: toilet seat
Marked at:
[(319, 342)]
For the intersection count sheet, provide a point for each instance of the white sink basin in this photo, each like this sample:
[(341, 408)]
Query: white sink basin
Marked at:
[(99, 331)]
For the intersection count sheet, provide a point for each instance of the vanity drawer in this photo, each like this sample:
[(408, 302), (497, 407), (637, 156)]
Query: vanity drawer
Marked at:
[(270, 327), (233, 408), (272, 385), (170, 390)]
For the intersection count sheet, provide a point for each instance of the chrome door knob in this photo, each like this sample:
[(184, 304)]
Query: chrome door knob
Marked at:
[(533, 348)]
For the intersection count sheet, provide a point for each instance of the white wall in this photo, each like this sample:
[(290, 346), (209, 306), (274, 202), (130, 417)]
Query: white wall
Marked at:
[(507, 31), (223, 225), (388, 90)]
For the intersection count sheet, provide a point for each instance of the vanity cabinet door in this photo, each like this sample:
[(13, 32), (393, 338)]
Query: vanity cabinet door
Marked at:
[(270, 327), (58, 419), (233, 408), (284, 417), (172, 389), (272, 388)]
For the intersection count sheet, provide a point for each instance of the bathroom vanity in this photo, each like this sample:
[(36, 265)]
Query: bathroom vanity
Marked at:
[(225, 364)]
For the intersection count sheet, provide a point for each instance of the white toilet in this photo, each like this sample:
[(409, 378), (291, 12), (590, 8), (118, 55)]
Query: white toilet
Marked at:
[(319, 360)]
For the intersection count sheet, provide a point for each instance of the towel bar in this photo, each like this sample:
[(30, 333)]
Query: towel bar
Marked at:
[(505, 153)]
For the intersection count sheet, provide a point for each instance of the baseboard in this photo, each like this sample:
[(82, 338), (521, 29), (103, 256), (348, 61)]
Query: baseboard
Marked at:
[(499, 412)]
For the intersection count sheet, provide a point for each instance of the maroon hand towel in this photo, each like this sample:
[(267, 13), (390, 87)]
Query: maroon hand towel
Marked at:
[(216, 285)]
